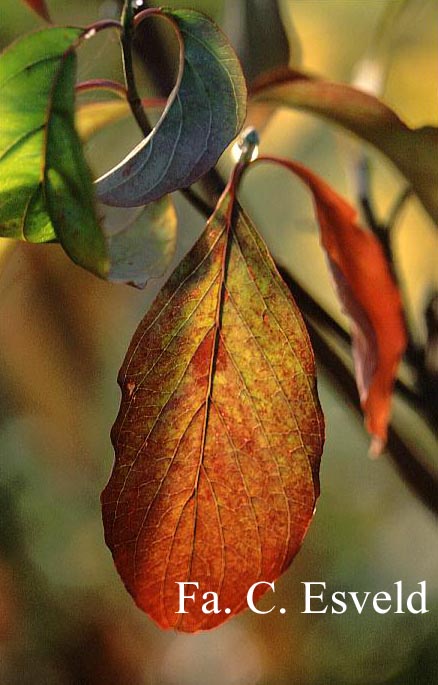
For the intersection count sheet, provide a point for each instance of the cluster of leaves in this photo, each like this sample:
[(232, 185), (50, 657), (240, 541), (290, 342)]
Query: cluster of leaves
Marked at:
[(220, 433)]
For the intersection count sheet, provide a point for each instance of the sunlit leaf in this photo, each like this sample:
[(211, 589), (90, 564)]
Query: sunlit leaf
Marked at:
[(219, 434), (369, 296), (141, 245), (46, 188), (40, 7), (68, 184), (29, 70), (413, 151), (204, 113)]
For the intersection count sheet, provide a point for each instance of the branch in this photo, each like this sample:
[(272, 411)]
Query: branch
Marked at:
[(133, 97)]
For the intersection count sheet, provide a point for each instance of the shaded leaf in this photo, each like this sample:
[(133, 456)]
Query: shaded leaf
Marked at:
[(141, 243), (369, 296), (249, 22), (40, 7), (413, 151), (219, 434), (204, 113), (29, 68)]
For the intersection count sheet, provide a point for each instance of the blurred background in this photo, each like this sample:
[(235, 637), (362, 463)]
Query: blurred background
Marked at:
[(65, 618)]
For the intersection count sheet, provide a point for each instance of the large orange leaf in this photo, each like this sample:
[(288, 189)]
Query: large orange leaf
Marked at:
[(413, 151), (219, 434), (370, 298)]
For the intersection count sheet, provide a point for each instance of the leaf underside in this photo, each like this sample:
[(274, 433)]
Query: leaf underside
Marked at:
[(206, 113), (413, 151), (219, 434)]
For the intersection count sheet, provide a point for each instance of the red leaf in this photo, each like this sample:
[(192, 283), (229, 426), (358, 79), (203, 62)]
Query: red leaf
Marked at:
[(413, 151), (369, 295), (219, 434), (40, 7)]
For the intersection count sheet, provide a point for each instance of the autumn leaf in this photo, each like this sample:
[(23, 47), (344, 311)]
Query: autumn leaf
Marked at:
[(205, 111), (413, 151), (219, 435), (369, 296), (40, 7)]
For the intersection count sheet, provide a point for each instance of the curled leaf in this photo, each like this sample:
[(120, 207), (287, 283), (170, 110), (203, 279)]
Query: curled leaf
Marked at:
[(204, 113), (413, 151), (219, 434), (369, 296), (46, 188)]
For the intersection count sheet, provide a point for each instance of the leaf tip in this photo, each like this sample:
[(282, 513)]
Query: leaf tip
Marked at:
[(376, 448)]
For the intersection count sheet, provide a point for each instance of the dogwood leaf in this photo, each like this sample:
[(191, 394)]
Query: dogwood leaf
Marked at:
[(219, 434), (204, 113), (369, 296)]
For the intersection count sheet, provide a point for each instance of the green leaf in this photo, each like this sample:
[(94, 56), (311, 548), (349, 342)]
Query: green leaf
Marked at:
[(46, 191), (68, 183), (413, 151), (205, 112), (46, 188), (29, 69), (219, 435)]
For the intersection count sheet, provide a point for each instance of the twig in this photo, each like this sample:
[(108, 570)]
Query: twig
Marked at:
[(128, 67)]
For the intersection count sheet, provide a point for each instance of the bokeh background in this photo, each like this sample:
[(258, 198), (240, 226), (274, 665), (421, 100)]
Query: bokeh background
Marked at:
[(65, 618)]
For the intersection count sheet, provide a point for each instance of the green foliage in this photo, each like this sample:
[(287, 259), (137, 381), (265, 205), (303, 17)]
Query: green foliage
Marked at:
[(33, 76)]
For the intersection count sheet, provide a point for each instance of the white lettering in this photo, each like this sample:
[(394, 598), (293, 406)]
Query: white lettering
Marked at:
[(308, 597), (182, 597), (250, 597)]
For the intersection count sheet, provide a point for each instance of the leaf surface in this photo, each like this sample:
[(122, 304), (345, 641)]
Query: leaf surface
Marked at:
[(141, 244), (40, 7), (413, 151), (369, 296), (68, 183), (29, 69), (219, 434), (204, 113), (46, 190)]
